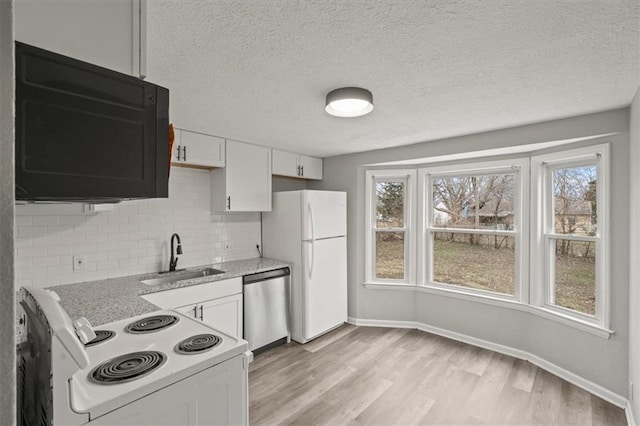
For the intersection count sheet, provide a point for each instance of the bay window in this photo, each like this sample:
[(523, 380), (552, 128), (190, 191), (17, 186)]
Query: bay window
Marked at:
[(528, 233)]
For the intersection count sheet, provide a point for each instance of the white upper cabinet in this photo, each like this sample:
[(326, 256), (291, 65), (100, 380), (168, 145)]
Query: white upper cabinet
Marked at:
[(285, 163), (296, 165), (111, 34), (192, 149), (310, 167), (244, 185)]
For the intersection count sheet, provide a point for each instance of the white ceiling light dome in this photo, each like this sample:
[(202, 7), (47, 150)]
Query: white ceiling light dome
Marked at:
[(349, 102)]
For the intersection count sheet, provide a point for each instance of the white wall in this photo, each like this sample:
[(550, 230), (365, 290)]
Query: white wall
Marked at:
[(602, 361), (7, 302), (634, 278), (132, 239)]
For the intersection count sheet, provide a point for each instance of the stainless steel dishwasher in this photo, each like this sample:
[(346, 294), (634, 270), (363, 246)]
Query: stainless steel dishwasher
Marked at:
[(266, 308)]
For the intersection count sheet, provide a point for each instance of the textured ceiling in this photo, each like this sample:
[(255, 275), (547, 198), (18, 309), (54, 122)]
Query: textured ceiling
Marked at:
[(258, 70)]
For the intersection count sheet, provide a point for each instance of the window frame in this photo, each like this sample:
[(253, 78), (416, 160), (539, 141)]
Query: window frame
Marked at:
[(534, 268), (543, 234), (517, 166), (373, 176)]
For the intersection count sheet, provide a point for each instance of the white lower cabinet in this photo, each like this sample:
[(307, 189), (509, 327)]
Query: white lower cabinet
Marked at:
[(224, 314), (218, 303), (214, 396)]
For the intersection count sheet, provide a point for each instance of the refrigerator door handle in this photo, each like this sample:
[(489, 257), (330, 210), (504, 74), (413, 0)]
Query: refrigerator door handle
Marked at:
[(310, 255), (313, 239), (313, 233), (312, 259)]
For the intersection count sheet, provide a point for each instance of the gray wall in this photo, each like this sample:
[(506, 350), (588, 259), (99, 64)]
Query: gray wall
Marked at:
[(279, 184), (603, 361), (634, 278), (7, 302)]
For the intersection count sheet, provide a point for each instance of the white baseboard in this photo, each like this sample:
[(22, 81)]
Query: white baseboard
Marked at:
[(630, 420), (570, 377)]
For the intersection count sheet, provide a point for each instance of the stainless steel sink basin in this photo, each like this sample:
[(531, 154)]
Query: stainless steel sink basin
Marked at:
[(172, 277)]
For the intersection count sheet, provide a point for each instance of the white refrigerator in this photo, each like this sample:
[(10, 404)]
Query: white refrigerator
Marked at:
[(309, 230)]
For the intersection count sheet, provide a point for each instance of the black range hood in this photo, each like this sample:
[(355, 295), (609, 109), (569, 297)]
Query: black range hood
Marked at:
[(87, 133)]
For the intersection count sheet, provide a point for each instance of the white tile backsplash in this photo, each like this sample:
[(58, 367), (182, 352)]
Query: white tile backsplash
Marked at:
[(133, 238)]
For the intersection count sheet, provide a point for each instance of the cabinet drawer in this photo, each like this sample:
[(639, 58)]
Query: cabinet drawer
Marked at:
[(174, 298)]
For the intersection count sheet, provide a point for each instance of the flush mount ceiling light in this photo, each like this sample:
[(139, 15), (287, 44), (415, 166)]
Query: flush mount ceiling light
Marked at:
[(349, 102)]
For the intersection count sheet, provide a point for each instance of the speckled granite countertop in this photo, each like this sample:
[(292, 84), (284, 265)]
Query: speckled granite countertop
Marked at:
[(115, 299)]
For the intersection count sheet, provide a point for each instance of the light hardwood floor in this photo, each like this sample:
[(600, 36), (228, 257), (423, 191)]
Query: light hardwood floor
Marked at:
[(385, 376)]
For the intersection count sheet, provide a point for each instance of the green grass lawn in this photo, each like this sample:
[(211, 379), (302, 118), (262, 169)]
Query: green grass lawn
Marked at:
[(486, 268)]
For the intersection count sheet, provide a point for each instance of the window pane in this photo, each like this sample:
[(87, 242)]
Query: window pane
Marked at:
[(574, 200), (575, 275), (474, 202), (390, 197), (390, 255), (484, 262)]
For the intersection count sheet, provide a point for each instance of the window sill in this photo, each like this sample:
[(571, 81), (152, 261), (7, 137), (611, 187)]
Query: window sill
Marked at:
[(501, 302), (389, 286)]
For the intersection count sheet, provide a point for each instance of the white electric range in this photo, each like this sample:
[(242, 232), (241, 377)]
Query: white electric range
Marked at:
[(162, 368)]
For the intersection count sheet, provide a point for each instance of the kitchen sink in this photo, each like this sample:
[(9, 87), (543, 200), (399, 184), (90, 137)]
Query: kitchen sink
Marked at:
[(172, 277)]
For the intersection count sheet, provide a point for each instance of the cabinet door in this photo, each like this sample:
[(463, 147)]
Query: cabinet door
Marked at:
[(247, 177), (189, 310), (184, 297), (224, 314), (198, 149), (311, 167), (284, 163), (214, 396), (111, 33)]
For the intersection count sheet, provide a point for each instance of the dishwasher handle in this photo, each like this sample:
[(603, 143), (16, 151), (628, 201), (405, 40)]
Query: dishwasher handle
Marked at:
[(267, 275)]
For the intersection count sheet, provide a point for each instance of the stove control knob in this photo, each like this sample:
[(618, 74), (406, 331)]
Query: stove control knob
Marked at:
[(53, 295), (84, 331)]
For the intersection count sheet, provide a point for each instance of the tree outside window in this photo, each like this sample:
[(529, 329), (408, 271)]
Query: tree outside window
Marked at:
[(483, 259)]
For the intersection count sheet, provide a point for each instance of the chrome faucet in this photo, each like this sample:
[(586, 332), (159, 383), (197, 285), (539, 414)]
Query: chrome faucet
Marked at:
[(174, 259)]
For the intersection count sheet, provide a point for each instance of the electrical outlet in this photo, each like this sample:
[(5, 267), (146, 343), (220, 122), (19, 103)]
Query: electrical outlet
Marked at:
[(79, 263), (228, 246)]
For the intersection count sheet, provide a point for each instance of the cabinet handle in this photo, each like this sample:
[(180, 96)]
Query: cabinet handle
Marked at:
[(229, 202), (297, 170), (201, 314), (195, 311), (178, 152), (301, 170), (184, 153)]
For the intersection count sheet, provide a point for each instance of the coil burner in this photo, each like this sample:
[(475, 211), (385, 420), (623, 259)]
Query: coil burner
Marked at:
[(198, 344), (127, 367), (152, 324), (101, 336)]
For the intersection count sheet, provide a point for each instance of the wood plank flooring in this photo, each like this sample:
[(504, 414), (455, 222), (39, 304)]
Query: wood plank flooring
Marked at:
[(385, 376)]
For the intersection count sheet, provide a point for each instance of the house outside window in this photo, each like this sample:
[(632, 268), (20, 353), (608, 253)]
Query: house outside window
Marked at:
[(473, 227)]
